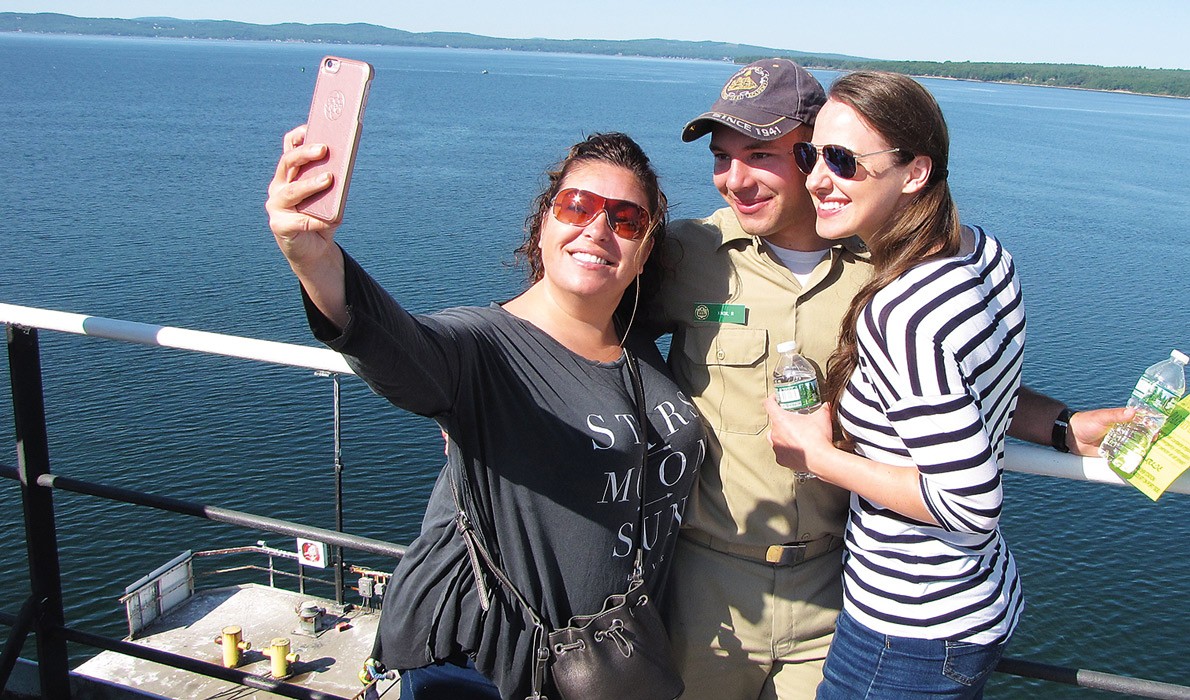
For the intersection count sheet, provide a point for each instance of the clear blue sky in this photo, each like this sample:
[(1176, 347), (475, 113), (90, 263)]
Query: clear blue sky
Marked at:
[(1150, 33)]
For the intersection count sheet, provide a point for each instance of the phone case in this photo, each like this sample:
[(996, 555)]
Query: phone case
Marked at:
[(336, 119)]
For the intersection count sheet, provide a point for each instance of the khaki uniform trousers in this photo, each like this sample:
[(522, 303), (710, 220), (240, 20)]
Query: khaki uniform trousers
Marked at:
[(748, 630)]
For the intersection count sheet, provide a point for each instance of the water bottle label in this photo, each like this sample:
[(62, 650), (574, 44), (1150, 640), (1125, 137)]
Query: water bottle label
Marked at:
[(1133, 443), (1152, 394), (794, 396)]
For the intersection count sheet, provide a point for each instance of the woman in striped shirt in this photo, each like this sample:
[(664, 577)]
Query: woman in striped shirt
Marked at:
[(924, 383)]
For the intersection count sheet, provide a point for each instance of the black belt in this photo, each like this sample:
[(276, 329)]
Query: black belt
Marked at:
[(788, 554)]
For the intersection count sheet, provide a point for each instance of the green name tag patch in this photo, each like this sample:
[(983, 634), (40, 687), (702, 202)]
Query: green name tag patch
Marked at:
[(721, 313)]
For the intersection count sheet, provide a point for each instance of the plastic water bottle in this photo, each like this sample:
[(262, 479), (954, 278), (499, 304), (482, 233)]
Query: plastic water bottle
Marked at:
[(796, 385), (795, 381), (1154, 396)]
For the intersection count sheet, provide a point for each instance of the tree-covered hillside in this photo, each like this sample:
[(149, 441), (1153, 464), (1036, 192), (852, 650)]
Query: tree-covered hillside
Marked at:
[(1174, 83)]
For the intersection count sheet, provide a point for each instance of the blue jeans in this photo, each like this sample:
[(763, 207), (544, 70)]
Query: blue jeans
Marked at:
[(447, 681), (863, 664)]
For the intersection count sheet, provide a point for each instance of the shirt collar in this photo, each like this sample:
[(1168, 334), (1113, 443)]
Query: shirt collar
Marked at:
[(731, 232)]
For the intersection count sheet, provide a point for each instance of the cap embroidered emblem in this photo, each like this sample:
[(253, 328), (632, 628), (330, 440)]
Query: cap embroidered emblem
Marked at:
[(746, 84)]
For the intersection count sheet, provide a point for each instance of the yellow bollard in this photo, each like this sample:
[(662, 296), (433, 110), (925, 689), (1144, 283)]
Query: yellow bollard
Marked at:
[(233, 643), (278, 651)]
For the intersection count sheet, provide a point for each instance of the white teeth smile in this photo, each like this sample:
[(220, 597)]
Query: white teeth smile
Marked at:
[(832, 206), (587, 257)]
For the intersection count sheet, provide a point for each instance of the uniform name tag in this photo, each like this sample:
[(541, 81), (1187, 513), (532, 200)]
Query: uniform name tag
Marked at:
[(721, 313)]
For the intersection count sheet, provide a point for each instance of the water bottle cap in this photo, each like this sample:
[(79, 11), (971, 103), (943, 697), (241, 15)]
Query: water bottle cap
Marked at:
[(1177, 356), (787, 346)]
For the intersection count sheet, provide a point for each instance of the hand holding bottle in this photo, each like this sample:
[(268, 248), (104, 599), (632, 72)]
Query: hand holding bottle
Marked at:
[(1088, 428), (798, 438), (1157, 390), (795, 386)]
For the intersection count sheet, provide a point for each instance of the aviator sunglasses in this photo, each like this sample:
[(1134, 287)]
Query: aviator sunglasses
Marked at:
[(577, 207), (842, 161)]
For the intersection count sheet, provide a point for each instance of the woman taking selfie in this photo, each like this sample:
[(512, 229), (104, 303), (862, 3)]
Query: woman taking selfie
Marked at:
[(537, 396), (923, 385)]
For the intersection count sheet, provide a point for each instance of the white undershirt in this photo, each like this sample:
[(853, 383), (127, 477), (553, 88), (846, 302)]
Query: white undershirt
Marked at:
[(799, 262)]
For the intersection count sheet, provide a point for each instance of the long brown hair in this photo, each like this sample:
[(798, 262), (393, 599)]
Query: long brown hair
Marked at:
[(907, 117), (613, 148)]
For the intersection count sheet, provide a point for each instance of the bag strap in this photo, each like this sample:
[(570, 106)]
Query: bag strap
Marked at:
[(638, 391), (479, 555), (475, 551)]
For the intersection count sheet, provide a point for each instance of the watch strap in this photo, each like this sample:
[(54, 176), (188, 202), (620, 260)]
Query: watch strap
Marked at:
[(1061, 430)]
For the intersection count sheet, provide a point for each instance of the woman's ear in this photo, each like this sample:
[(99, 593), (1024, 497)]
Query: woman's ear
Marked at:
[(541, 227), (918, 174), (642, 255)]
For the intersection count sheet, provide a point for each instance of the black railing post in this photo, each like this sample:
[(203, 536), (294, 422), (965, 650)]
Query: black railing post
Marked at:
[(33, 461)]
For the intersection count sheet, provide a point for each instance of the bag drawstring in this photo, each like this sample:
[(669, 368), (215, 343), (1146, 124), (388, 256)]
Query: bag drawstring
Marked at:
[(616, 631)]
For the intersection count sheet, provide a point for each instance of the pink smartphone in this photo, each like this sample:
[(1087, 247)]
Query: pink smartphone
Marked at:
[(336, 119)]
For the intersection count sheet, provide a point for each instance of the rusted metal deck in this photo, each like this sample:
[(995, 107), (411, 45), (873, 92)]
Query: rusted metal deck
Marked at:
[(329, 659)]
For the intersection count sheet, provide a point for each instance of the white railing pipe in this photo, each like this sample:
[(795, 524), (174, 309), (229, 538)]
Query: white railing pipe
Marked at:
[(1024, 458), (1033, 459), (320, 359)]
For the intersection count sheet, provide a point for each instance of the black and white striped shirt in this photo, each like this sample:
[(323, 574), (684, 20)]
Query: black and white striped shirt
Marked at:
[(940, 352)]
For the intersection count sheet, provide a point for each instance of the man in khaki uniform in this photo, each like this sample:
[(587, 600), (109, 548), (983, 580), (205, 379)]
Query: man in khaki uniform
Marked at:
[(757, 578)]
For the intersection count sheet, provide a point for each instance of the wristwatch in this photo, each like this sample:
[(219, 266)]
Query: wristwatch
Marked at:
[(1061, 429)]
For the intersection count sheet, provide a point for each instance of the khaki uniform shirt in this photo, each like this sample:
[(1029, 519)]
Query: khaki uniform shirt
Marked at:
[(728, 302)]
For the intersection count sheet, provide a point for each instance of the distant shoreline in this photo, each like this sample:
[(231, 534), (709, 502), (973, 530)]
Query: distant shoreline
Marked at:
[(1038, 85), (1148, 82)]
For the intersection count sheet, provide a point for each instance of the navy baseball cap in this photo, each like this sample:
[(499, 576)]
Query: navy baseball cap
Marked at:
[(765, 100)]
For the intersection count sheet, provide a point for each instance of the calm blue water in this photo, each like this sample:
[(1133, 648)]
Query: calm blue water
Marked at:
[(135, 173)]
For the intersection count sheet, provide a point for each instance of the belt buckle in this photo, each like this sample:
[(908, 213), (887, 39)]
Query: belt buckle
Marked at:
[(786, 554)]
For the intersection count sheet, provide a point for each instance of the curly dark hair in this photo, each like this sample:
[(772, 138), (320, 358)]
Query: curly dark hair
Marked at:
[(613, 148)]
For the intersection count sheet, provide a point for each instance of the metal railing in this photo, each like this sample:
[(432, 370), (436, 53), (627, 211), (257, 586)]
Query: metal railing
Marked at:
[(1027, 459), (43, 611)]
